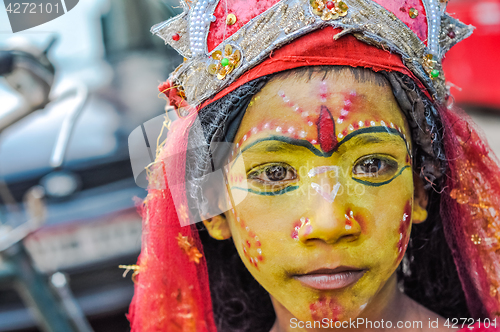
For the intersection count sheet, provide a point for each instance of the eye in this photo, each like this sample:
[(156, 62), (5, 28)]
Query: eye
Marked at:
[(274, 173), (374, 166)]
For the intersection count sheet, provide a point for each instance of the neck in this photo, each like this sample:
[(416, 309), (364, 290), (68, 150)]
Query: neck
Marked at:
[(386, 305)]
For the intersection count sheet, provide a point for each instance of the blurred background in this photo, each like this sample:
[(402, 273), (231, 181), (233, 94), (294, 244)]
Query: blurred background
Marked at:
[(77, 88)]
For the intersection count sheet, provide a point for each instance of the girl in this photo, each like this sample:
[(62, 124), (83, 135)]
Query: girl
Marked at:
[(336, 187)]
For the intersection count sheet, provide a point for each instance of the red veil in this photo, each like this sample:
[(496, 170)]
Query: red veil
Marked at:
[(172, 291)]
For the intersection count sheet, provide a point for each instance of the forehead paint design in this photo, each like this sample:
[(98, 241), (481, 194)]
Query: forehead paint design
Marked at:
[(404, 231), (323, 91), (325, 307), (251, 244), (325, 123), (326, 130), (305, 115), (291, 135), (344, 112)]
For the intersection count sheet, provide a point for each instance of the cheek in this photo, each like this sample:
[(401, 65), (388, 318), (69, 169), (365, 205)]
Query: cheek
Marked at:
[(404, 232), (250, 243)]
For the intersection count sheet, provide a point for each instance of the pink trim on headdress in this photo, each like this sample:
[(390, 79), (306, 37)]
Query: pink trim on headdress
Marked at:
[(402, 9), (220, 30)]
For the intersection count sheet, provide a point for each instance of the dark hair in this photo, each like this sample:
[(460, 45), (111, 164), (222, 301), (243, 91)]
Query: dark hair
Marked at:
[(427, 273)]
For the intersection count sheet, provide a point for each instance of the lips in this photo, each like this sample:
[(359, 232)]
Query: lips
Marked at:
[(329, 279)]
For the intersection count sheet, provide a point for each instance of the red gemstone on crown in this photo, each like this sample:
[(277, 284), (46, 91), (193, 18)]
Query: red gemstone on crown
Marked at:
[(176, 37), (330, 5)]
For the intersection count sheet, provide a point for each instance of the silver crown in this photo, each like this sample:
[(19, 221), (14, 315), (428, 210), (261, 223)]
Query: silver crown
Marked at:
[(204, 73)]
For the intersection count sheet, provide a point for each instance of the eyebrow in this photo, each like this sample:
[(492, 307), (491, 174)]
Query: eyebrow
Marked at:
[(287, 143)]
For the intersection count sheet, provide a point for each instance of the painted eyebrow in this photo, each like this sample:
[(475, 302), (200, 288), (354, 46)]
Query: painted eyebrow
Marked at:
[(304, 143)]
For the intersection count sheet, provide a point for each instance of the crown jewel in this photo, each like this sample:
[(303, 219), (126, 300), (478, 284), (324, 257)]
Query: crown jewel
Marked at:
[(219, 48)]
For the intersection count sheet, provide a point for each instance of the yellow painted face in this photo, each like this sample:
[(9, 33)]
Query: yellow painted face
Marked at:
[(325, 164)]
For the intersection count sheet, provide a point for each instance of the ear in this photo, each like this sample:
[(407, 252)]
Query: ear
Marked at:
[(421, 199), (218, 227)]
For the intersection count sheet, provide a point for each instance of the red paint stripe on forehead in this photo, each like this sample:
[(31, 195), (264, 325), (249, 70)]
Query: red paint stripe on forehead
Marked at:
[(326, 130)]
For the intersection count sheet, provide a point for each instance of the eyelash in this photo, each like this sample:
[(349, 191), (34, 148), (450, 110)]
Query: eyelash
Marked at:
[(387, 166), (262, 170)]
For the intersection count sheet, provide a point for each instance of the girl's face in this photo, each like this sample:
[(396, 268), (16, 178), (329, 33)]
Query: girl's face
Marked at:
[(323, 176)]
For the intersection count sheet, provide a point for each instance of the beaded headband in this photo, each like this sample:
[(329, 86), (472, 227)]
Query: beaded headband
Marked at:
[(222, 39)]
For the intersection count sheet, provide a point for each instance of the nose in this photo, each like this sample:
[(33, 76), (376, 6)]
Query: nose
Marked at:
[(329, 226)]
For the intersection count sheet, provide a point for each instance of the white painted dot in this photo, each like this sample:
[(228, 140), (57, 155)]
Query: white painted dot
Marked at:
[(314, 142), (259, 251), (305, 114), (281, 93), (286, 99), (247, 229), (302, 219), (400, 236), (392, 125), (254, 130), (347, 227), (290, 130), (351, 128), (340, 136), (278, 129), (237, 145), (238, 219), (266, 126), (245, 137), (310, 123), (352, 214), (361, 123), (256, 238), (339, 120), (383, 123), (302, 134), (372, 123), (296, 108)]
